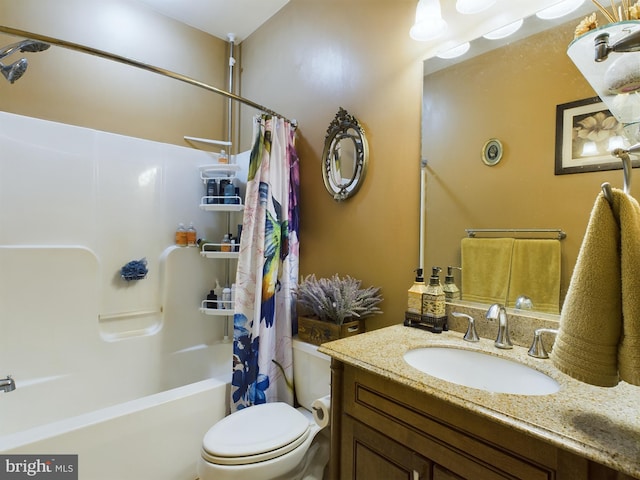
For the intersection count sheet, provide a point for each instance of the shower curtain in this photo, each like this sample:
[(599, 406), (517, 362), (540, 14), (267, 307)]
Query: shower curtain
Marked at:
[(267, 271)]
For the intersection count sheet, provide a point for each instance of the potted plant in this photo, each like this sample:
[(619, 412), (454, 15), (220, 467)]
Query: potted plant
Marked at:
[(332, 308)]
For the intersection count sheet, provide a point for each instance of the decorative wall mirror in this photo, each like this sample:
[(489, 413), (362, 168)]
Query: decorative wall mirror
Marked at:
[(345, 156)]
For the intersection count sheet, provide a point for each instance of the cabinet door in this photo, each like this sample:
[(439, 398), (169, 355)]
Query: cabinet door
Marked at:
[(440, 473), (367, 455)]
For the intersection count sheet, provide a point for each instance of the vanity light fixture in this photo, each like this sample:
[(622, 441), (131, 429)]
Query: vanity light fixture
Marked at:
[(455, 51), (429, 22), (505, 31), (469, 7), (559, 10)]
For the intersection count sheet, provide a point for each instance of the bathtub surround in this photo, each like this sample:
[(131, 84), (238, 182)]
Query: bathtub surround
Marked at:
[(267, 269), (76, 205)]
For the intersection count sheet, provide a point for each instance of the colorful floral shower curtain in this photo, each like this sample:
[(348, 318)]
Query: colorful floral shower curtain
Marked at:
[(267, 269)]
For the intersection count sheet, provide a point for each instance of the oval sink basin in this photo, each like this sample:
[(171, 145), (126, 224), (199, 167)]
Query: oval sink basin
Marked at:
[(481, 370)]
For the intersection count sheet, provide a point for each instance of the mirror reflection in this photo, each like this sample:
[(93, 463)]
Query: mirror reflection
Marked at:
[(510, 94)]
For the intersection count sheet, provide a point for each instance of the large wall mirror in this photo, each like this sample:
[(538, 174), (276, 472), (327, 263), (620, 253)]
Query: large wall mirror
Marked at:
[(509, 93)]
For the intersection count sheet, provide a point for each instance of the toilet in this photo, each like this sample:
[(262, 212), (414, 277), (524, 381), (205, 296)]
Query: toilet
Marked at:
[(281, 434)]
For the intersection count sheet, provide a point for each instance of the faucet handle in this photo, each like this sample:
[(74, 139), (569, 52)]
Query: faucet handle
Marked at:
[(537, 349), (499, 312), (472, 334)]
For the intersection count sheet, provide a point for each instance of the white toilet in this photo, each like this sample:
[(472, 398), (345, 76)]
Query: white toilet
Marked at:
[(268, 441)]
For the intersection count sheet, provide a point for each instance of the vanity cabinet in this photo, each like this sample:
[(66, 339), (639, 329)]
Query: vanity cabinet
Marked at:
[(382, 429)]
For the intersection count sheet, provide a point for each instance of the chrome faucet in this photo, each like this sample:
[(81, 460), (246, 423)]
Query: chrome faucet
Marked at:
[(7, 384), (498, 312)]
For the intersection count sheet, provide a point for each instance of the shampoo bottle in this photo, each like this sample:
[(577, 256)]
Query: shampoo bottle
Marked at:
[(191, 235), (434, 304), (226, 243), (181, 235), (451, 290), (218, 292)]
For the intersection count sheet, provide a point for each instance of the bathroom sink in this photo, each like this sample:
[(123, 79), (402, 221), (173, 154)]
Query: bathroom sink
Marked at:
[(480, 370)]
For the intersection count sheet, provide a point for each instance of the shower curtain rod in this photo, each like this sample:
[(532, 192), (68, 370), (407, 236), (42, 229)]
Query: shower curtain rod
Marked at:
[(134, 63)]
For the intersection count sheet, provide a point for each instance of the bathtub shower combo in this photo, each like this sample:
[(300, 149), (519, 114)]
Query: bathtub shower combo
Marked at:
[(127, 375)]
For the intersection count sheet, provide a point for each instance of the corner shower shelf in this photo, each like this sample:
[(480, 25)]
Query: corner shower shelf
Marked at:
[(217, 253), (221, 207), (220, 312), (218, 170), (207, 141)]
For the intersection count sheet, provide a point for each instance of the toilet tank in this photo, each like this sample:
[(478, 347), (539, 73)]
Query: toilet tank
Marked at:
[(311, 373)]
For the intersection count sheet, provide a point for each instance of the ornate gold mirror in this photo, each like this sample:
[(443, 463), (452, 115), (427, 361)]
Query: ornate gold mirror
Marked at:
[(345, 156)]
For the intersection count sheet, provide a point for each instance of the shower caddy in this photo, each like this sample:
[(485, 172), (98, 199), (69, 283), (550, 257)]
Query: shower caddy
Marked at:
[(214, 250)]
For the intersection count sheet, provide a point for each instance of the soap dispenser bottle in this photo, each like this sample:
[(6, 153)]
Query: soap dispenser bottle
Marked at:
[(434, 304), (414, 300), (451, 290)]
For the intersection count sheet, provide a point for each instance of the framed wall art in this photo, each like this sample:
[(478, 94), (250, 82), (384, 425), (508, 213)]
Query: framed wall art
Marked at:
[(586, 134)]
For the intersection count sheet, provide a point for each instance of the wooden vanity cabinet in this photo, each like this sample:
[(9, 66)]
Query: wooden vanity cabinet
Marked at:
[(384, 430)]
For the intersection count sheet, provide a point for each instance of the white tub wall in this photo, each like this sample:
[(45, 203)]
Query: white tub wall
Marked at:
[(150, 438), (83, 189)]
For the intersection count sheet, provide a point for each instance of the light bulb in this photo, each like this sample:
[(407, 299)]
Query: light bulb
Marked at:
[(429, 22), (469, 7), (505, 31), (559, 10), (455, 51)]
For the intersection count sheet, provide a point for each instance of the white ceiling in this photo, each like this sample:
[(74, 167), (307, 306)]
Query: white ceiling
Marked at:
[(220, 17)]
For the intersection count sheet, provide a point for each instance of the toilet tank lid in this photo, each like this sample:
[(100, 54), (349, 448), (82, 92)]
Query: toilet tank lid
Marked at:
[(254, 430)]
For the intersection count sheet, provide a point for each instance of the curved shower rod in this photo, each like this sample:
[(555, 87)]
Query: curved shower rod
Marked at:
[(134, 63)]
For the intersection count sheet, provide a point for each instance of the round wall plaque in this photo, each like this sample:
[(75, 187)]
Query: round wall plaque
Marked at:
[(492, 152)]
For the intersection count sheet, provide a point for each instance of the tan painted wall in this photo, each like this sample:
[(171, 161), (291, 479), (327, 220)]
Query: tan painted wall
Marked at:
[(79, 89), (510, 94), (308, 60)]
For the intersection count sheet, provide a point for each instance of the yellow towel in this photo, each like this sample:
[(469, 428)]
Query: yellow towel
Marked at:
[(535, 272), (599, 337), (486, 266)]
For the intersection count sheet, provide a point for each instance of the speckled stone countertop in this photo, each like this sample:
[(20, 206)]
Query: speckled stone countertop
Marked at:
[(601, 424)]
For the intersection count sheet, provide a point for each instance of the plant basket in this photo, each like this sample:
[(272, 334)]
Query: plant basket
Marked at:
[(316, 331)]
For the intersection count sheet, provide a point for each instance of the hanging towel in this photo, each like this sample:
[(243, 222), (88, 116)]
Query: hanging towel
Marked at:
[(535, 272), (486, 266), (599, 336), (629, 347)]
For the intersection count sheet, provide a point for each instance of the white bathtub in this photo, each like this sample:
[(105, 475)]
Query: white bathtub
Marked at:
[(157, 436)]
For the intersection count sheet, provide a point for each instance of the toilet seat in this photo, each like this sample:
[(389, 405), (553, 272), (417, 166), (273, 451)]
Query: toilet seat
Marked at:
[(255, 434)]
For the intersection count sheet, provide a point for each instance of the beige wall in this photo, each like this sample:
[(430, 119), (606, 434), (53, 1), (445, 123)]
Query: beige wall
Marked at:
[(79, 89), (313, 57), (510, 94)]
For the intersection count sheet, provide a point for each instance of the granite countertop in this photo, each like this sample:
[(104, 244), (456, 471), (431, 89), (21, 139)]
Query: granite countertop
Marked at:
[(601, 424)]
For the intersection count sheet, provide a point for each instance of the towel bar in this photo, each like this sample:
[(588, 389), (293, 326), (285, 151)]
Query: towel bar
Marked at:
[(535, 232)]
